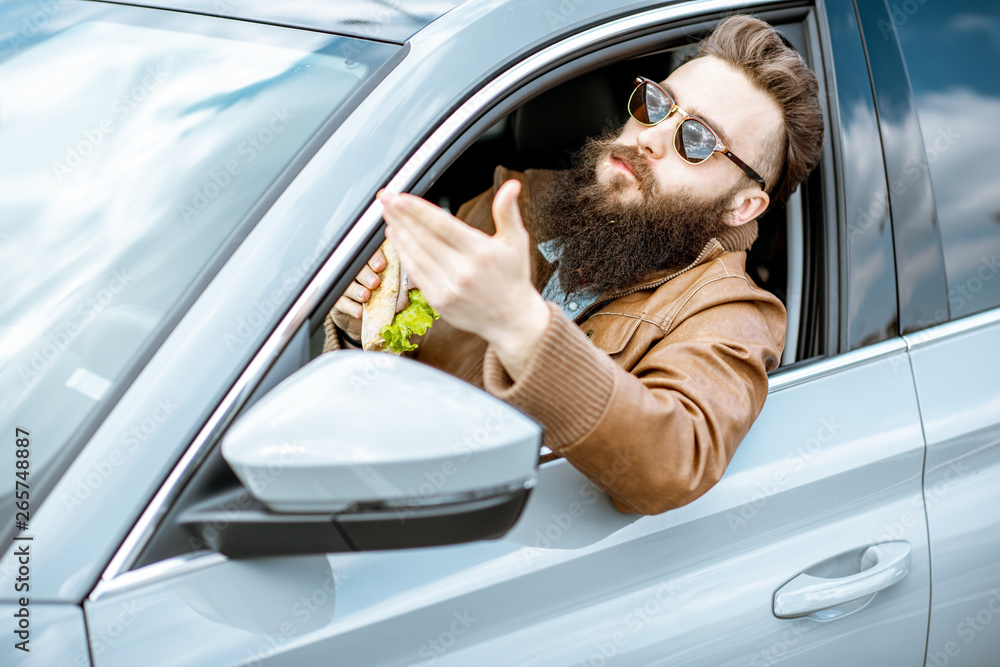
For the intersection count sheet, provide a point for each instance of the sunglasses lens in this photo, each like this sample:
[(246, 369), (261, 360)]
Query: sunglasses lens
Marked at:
[(694, 141), (649, 104)]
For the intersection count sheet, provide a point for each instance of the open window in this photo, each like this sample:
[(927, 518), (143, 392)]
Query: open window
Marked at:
[(588, 95), (542, 125)]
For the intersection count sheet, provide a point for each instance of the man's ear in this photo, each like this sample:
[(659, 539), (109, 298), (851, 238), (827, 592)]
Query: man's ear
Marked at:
[(749, 204)]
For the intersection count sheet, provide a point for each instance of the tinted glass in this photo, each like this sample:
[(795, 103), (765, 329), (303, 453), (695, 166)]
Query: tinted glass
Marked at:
[(133, 144), (695, 142), (657, 104), (952, 51)]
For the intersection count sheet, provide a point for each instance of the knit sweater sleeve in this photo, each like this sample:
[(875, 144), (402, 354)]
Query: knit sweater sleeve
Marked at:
[(661, 435)]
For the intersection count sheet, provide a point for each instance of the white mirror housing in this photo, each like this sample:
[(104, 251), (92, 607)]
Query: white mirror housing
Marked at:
[(364, 430)]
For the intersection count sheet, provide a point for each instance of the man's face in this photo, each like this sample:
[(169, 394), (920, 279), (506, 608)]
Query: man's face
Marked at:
[(744, 117), (632, 206)]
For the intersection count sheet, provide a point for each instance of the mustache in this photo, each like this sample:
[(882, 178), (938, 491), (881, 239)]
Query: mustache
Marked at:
[(633, 158)]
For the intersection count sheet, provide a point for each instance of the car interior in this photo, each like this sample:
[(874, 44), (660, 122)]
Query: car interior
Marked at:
[(788, 258), (546, 131)]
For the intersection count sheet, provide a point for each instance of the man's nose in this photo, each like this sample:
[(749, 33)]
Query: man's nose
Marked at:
[(654, 142)]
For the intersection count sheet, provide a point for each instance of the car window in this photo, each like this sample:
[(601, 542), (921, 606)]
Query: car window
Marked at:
[(520, 136), (958, 106), (131, 154), (527, 139)]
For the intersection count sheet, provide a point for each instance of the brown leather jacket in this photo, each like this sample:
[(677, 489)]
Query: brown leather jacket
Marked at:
[(649, 390)]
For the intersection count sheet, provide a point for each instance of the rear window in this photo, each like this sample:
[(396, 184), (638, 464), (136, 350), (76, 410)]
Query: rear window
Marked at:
[(133, 144), (952, 51)]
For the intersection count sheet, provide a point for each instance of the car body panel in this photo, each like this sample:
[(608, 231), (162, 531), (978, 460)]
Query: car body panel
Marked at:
[(955, 367), (58, 635), (576, 580)]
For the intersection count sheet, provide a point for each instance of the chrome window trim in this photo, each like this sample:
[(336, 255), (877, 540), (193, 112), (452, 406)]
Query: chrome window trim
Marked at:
[(143, 529), (315, 291), (163, 569), (796, 274), (958, 327), (835, 364)]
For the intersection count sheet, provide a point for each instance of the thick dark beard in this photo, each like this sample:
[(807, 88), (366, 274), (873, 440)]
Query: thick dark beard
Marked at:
[(610, 245)]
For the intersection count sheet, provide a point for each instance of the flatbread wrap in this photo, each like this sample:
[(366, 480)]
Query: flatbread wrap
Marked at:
[(380, 308), (382, 328)]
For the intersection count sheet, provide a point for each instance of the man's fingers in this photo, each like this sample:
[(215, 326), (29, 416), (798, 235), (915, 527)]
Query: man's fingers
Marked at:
[(417, 233), (357, 292), (377, 262), (506, 213), (349, 307), (421, 265), (368, 278), (412, 211)]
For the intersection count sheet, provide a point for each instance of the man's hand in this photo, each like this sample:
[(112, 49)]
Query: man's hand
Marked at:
[(346, 313), (477, 282)]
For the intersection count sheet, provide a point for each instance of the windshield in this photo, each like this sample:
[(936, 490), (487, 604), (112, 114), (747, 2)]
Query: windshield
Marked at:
[(133, 144)]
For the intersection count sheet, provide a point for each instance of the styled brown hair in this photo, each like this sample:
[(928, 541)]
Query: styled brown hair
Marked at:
[(757, 50)]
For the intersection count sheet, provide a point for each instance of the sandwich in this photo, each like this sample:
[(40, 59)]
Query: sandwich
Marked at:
[(382, 328)]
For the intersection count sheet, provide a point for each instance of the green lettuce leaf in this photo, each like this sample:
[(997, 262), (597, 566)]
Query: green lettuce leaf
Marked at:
[(415, 319)]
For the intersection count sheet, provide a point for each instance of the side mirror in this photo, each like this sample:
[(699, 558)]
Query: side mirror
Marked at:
[(360, 451)]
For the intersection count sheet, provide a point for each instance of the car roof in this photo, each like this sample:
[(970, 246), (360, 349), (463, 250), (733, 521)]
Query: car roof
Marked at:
[(383, 20)]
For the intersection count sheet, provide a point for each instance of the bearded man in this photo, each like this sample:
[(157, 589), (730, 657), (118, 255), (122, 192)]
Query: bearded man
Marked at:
[(610, 301)]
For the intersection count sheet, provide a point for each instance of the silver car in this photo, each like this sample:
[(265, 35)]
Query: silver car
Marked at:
[(187, 186)]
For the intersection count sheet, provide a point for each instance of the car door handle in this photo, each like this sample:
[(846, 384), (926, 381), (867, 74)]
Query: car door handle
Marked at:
[(887, 564)]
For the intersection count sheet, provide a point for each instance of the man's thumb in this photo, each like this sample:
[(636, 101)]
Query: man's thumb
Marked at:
[(506, 214)]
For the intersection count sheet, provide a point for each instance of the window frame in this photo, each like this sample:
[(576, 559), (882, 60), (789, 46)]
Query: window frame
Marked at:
[(572, 56)]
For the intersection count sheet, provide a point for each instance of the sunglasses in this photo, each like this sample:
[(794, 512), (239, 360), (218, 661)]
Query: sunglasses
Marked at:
[(694, 140)]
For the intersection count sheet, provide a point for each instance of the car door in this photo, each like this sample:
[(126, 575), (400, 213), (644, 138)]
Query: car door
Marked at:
[(954, 349), (831, 469)]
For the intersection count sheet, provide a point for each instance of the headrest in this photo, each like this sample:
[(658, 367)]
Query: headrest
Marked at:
[(549, 128)]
